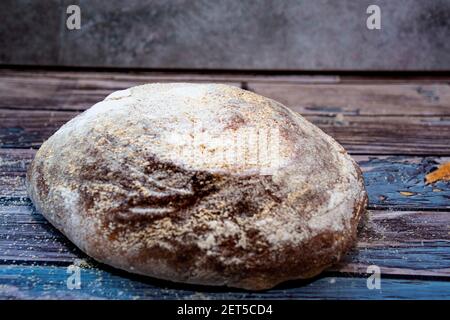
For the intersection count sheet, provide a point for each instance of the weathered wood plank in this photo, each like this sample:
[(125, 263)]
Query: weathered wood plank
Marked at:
[(403, 243), (41, 282), (412, 135), (11, 77), (360, 99), (391, 182), (340, 110), (394, 78), (400, 243), (25, 129), (26, 236), (417, 135), (399, 182), (307, 94), (48, 90)]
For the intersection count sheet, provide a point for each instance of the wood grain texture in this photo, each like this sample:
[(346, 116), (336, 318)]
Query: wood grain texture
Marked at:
[(50, 282), (360, 99), (410, 118), (30, 128), (399, 242), (394, 78), (391, 182), (78, 90), (407, 243), (413, 135), (46, 90)]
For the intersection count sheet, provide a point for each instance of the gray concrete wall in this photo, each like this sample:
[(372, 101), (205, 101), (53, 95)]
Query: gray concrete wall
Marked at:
[(231, 34)]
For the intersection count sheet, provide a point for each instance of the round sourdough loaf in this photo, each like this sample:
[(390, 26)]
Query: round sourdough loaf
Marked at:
[(200, 183)]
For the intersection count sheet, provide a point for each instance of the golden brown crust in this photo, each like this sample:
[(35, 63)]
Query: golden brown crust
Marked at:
[(118, 182)]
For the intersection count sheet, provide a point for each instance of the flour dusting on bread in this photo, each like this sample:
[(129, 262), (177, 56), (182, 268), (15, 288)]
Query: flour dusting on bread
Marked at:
[(200, 183)]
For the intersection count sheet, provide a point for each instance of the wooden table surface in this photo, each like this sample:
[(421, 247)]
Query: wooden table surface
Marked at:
[(397, 128)]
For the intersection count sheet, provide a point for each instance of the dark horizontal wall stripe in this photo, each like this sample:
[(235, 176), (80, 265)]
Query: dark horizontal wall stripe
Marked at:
[(231, 34)]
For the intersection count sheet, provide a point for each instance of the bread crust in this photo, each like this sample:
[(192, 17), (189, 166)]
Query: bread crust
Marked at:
[(125, 183)]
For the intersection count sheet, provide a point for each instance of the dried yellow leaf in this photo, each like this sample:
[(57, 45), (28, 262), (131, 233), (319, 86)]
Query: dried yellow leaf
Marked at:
[(442, 173)]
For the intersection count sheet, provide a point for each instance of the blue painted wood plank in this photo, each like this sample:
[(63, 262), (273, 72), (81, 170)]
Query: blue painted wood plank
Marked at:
[(399, 182), (38, 282)]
